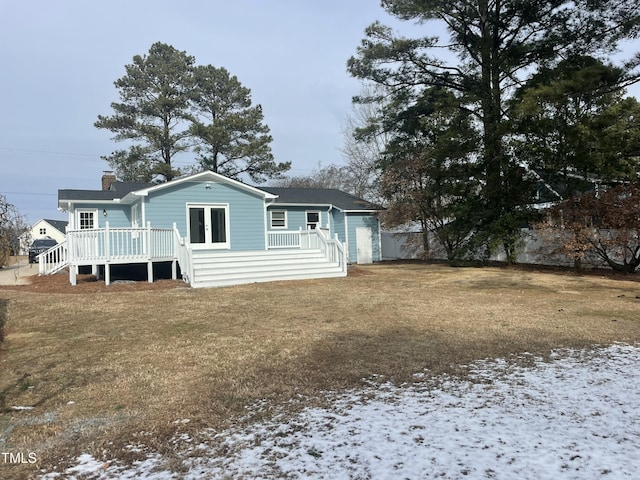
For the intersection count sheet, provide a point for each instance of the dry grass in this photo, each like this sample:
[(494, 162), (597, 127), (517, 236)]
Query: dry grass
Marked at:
[(135, 362)]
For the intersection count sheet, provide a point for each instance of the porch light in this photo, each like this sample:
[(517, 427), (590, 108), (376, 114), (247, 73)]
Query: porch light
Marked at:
[(104, 213), (207, 185)]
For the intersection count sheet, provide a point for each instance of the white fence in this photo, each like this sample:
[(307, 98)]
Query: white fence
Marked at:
[(534, 249)]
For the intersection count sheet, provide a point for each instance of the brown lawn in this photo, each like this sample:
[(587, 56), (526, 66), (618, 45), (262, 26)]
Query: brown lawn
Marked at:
[(104, 367)]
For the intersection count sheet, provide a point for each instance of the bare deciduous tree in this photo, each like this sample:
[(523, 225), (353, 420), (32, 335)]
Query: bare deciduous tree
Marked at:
[(365, 141), (12, 225), (605, 225)]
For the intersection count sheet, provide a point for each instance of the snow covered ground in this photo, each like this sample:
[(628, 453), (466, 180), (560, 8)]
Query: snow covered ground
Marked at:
[(576, 417)]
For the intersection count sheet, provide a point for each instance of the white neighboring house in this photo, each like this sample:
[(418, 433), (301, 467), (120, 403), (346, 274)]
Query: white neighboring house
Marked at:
[(44, 228)]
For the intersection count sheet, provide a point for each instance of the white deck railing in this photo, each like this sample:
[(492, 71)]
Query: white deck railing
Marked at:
[(283, 240), (304, 239), (333, 249), (137, 245), (119, 245)]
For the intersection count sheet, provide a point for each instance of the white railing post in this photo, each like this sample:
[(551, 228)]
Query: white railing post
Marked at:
[(147, 243), (106, 242)]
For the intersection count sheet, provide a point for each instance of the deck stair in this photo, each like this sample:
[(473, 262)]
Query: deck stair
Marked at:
[(53, 260), (216, 269)]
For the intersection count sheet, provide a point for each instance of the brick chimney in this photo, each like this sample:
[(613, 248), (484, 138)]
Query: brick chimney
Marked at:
[(108, 177)]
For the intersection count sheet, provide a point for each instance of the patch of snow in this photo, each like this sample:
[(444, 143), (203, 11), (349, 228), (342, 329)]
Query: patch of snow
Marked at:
[(18, 408), (575, 417)]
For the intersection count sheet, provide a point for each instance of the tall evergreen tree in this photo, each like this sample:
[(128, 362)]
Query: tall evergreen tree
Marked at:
[(152, 113), (229, 132), (498, 43), (428, 173), (168, 106), (554, 112)]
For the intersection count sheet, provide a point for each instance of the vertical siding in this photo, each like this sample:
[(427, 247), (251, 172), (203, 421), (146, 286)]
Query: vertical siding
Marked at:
[(356, 220), (246, 210)]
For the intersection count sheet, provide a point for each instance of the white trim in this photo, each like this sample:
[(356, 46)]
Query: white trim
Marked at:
[(77, 213), (207, 219), (143, 205), (202, 177), (361, 211), (346, 235), (286, 219), (135, 215), (265, 221), (379, 241)]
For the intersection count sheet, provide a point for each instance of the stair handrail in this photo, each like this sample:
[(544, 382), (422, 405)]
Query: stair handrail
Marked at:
[(182, 253), (333, 249), (54, 259)]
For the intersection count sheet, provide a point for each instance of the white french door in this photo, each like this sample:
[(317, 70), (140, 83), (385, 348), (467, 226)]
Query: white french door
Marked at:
[(208, 225)]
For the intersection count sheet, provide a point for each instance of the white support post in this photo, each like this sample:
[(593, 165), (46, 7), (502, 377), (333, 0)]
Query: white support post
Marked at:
[(107, 273), (149, 246), (174, 269), (73, 273), (150, 272), (106, 241)]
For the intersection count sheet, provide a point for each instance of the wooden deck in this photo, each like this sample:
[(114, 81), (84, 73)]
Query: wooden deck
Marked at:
[(109, 246)]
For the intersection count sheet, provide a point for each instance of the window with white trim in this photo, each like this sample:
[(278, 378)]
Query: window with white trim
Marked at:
[(208, 225), (313, 220), (86, 219), (278, 219)]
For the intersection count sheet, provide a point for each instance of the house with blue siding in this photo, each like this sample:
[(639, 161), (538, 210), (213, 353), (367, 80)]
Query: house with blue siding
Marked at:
[(215, 231)]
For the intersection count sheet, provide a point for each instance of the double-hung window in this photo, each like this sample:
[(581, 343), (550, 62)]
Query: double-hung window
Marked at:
[(278, 219)]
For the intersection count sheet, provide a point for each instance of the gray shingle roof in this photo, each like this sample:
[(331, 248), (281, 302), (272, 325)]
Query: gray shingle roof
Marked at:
[(127, 187), (117, 190), (60, 225), (320, 196), (302, 196), (88, 195)]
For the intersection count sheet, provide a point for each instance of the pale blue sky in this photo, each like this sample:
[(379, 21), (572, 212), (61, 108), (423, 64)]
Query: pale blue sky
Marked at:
[(60, 58)]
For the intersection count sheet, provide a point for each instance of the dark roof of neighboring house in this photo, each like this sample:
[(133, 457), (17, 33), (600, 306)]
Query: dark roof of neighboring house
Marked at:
[(60, 225), (320, 196)]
